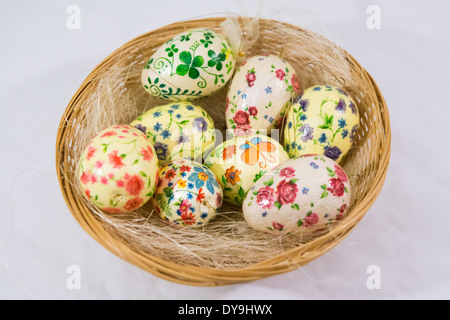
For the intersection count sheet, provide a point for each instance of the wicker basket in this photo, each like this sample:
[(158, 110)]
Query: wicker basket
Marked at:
[(366, 164)]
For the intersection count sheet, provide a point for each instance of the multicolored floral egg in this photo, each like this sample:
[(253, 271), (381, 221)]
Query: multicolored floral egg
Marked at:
[(259, 94), (118, 171), (307, 195), (192, 65), (188, 193), (240, 161), (323, 120), (177, 130)]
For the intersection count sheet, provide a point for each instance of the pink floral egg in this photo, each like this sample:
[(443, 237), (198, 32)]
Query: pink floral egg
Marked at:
[(188, 194), (304, 196), (118, 171), (259, 94)]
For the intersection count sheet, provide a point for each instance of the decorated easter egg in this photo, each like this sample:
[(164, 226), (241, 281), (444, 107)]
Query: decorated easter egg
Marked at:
[(118, 171), (192, 65), (177, 130), (188, 193), (323, 120), (259, 94), (240, 161), (307, 196)]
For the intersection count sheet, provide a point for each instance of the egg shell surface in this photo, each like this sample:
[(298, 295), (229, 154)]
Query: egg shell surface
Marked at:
[(188, 194), (304, 195), (191, 65), (240, 161), (178, 130), (323, 120), (118, 171), (260, 92)]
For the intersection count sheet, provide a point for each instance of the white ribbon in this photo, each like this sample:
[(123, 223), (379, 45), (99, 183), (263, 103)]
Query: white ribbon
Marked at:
[(241, 39)]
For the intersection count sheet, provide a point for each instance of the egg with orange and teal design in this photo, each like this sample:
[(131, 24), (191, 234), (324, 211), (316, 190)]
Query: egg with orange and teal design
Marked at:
[(240, 161), (188, 194)]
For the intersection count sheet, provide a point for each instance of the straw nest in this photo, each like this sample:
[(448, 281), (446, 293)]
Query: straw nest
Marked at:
[(227, 250)]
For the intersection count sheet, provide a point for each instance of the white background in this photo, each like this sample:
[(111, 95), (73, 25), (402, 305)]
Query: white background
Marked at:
[(405, 233)]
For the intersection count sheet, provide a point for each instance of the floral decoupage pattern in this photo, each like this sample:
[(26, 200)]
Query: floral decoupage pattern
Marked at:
[(192, 65), (177, 130), (305, 195), (323, 120), (259, 94), (240, 161), (188, 194), (118, 171)]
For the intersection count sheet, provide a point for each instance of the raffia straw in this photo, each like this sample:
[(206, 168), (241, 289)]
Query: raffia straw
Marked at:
[(226, 250)]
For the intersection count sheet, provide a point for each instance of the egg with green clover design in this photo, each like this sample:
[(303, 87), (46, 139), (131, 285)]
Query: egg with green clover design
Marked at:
[(323, 120), (188, 194), (240, 161), (191, 65), (178, 130)]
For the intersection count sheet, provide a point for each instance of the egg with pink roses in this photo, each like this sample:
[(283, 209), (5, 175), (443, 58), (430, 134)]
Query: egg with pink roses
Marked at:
[(303, 196), (259, 94)]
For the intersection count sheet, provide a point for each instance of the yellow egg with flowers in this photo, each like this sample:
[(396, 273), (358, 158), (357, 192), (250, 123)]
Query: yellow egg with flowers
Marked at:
[(323, 120)]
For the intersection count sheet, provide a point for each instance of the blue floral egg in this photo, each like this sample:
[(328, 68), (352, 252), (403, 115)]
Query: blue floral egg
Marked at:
[(323, 120), (178, 130), (188, 194)]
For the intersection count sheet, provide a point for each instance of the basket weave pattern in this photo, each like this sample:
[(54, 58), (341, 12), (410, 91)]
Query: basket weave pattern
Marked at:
[(366, 164)]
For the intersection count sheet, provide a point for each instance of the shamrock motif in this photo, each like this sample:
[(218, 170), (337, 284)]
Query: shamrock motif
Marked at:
[(186, 37), (171, 50), (216, 59), (206, 42), (189, 65), (208, 35)]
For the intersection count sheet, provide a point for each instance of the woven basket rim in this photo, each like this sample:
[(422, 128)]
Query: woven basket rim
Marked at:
[(200, 276)]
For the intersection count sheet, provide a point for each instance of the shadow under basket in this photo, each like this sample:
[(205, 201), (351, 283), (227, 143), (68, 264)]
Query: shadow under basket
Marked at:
[(316, 60)]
